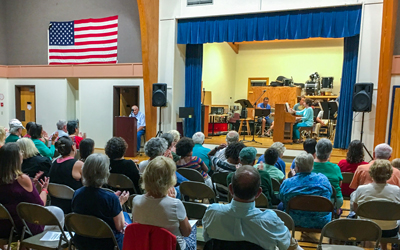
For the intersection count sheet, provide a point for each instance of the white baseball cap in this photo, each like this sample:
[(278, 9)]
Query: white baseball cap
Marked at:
[(15, 123)]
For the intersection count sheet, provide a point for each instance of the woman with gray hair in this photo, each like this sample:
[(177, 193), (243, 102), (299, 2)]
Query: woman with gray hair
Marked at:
[(92, 200), (329, 169), (306, 183), (154, 147)]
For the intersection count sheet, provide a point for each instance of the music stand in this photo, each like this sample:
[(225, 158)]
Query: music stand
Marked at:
[(184, 113), (245, 105), (329, 108), (260, 113)]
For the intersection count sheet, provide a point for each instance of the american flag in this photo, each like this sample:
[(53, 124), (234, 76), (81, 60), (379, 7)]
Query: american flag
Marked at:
[(86, 41)]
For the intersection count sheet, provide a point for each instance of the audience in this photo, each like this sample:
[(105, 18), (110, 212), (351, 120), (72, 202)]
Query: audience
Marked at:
[(61, 129), (271, 156), (159, 207), (241, 220), (154, 147), (86, 149), (65, 170), (28, 126), (232, 161), (115, 150), (2, 136), (33, 161), (396, 163), (306, 183), (362, 177), (36, 131), (177, 137), (247, 157), (74, 134), (199, 150), (280, 164), (16, 128), (16, 187), (380, 172), (354, 158), (308, 146), (92, 200), (184, 148), (219, 151), (330, 170), (170, 139)]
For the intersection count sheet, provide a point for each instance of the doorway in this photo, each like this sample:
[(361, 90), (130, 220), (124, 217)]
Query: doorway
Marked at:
[(124, 98), (25, 105)]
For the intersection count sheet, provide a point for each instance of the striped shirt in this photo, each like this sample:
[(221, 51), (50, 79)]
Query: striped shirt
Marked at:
[(194, 163)]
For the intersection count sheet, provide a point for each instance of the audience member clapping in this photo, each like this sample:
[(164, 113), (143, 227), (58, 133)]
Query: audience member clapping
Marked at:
[(33, 161), (184, 148), (306, 183), (115, 150), (74, 134), (159, 207), (61, 129), (354, 158), (232, 161), (36, 133), (95, 201), (271, 156), (65, 170), (154, 147), (86, 149), (329, 169)]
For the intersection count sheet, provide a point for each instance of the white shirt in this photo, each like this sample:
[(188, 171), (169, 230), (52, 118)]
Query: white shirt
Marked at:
[(143, 165), (221, 154), (375, 191), (163, 212)]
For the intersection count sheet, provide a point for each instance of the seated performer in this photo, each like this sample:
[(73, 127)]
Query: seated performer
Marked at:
[(306, 119), (300, 105), (141, 124), (318, 120), (266, 119)]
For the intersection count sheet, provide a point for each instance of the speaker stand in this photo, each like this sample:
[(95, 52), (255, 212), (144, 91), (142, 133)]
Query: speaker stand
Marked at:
[(361, 136), (159, 133)]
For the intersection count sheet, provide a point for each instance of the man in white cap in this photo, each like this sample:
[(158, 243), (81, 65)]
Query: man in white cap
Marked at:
[(15, 130)]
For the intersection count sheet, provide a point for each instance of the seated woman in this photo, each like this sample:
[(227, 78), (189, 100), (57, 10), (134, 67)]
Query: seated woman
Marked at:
[(74, 134), (36, 133), (115, 150), (184, 148), (3, 135), (271, 156), (154, 147), (33, 161), (66, 170), (354, 158), (306, 119), (16, 187), (170, 139), (177, 137), (330, 170), (380, 171), (94, 201), (86, 149), (159, 207), (306, 183)]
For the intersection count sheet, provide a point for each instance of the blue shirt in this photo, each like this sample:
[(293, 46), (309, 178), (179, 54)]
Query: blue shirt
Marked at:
[(306, 184), (293, 164), (239, 221), (202, 152), (280, 164), (262, 106), (307, 116), (141, 121)]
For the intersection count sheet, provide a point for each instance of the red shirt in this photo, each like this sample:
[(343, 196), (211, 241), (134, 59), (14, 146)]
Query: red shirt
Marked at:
[(345, 166), (77, 140)]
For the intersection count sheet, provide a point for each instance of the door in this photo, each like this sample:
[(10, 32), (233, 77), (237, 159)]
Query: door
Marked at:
[(395, 125), (124, 98), (25, 104)]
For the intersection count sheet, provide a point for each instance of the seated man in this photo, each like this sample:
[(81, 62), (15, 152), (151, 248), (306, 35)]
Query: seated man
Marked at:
[(219, 151), (232, 158), (300, 105), (306, 183), (271, 156), (61, 129), (241, 220), (264, 120), (199, 150), (16, 128), (247, 157), (318, 120), (362, 177), (141, 124), (280, 164)]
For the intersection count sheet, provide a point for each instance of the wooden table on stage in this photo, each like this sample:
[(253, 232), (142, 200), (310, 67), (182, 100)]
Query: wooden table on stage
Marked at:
[(283, 124), (246, 120)]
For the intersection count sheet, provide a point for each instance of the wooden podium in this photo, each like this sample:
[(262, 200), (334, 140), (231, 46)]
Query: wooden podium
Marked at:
[(126, 127), (283, 122)]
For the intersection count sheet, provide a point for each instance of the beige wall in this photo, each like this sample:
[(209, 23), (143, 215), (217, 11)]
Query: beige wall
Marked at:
[(297, 59)]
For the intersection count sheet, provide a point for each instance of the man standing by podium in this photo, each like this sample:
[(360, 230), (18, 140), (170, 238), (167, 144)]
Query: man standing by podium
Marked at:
[(141, 124), (263, 120)]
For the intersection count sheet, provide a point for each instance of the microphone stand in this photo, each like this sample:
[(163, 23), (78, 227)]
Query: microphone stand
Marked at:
[(255, 103)]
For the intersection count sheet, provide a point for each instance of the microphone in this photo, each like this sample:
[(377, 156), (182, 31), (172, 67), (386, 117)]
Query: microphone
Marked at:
[(264, 90)]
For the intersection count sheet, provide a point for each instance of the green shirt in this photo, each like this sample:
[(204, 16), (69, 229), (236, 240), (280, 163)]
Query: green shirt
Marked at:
[(332, 172), (43, 149), (266, 185), (273, 172), (12, 138)]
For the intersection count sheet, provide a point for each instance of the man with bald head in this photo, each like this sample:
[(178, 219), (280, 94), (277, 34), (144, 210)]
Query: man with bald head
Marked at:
[(241, 220), (141, 124), (362, 177)]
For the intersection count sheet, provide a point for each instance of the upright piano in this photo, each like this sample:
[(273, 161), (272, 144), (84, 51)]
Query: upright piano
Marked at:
[(283, 124)]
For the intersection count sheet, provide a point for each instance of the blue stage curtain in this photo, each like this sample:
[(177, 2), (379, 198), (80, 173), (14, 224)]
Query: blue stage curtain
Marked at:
[(193, 74), (345, 112), (301, 24)]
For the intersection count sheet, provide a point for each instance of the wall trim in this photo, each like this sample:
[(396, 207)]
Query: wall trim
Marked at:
[(125, 70)]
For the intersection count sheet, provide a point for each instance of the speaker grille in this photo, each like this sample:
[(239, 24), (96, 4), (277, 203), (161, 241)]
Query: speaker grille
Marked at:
[(362, 97), (158, 98)]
